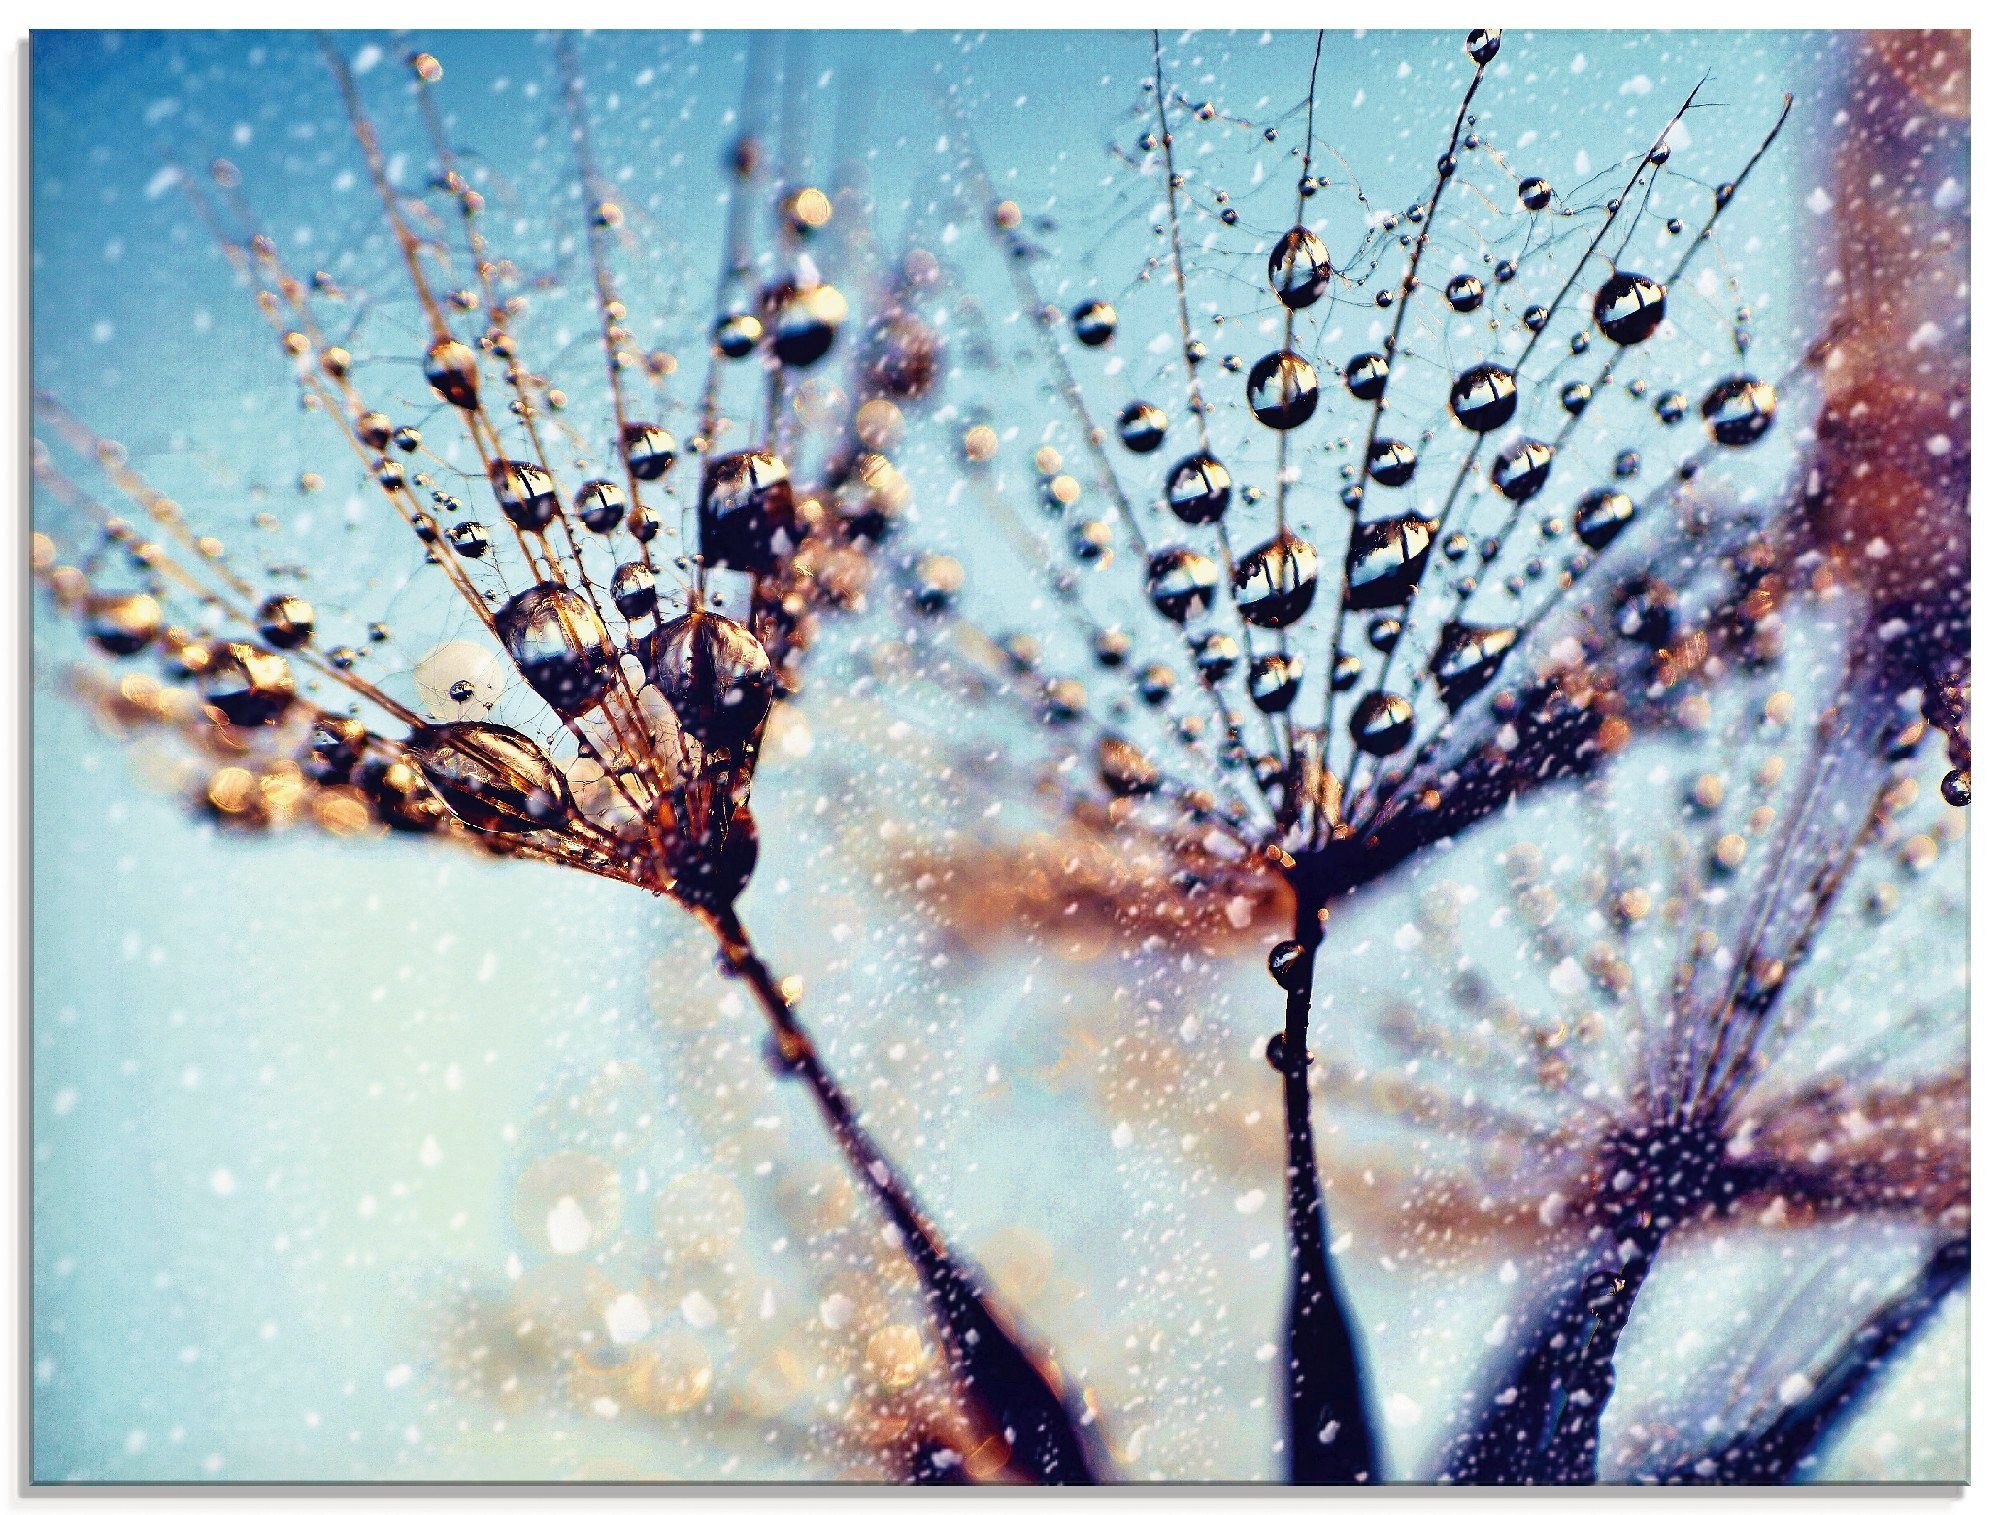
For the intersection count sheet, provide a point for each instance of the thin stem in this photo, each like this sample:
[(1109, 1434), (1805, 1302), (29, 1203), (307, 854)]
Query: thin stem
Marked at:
[(1780, 1449), (1331, 1436), (1013, 1392), (1538, 1422)]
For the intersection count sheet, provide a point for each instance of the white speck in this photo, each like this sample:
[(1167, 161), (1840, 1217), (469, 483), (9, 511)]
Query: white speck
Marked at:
[(1251, 1203), (223, 1182), (397, 1376), (627, 1319), (569, 1227), (1404, 1411)]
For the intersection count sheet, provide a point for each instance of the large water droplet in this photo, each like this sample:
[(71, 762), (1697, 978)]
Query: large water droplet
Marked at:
[(649, 451), (600, 505), (557, 641), (526, 493), (1601, 515), (1198, 489), (1467, 658), (1181, 582), (1283, 390), (1275, 582), (1142, 427), (1392, 464), (1387, 561), (1739, 410), (1126, 770), (1095, 322), (1274, 680), (1299, 268), (1522, 468), (492, 778), (748, 517), (715, 675), (1382, 723), (453, 372), (285, 621), (1367, 375), (122, 624), (1483, 397), (1629, 307)]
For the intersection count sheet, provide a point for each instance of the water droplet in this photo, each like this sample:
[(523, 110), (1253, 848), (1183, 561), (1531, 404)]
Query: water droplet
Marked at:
[(1522, 468), (1392, 464), (1535, 193), (122, 624), (1142, 427), (1382, 723), (557, 641), (1126, 770), (1095, 322), (245, 684), (1482, 46), (492, 778), (1156, 683), (453, 372), (1181, 582), (1275, 582), (1215, 656), (937, 580), (1387, 561), (649, 451), (1467, 658), (1283, 390), (634, 591), (737, 335), (1601, 515), (1465, 293), (803, 319), (1483, 398), (715, 675), (526, 493), (600, 505), (1198, 489), (1739, 410), (1290, 964), (1629, 307), (285, 621), (1299, 268), (460, 679), (747, 513), (1274, 679), (1367, 375)]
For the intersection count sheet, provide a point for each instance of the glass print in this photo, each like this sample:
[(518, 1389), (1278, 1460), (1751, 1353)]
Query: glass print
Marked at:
[(1019, 757)]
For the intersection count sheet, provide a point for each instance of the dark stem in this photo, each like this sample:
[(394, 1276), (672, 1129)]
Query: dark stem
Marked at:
[(1331, 1432), (1792, 1440), (1537, 1420), (1013, 1393)]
